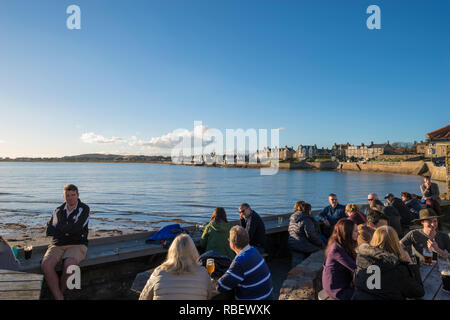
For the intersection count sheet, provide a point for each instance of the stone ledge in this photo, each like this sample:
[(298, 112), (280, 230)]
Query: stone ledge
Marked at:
[(304, 281)]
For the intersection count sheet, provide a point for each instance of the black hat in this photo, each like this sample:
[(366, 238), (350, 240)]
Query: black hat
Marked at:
[(388, 195), (426, 214)]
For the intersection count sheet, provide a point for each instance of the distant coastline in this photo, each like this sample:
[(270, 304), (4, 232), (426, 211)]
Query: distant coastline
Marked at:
[(417, 168)]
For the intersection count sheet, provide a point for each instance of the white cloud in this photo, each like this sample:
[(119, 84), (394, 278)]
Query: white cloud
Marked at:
[(95, 138), (2, 141), (201, 135)]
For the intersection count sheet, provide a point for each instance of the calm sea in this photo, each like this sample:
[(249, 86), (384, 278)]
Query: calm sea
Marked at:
[(146, 196)]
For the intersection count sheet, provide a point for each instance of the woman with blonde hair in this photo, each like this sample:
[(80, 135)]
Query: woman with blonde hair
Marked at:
[(180, 277), (353, 213), (7, 259), (392, 274)]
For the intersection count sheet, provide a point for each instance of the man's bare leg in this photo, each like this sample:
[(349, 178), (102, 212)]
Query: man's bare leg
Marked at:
[(63, 282), (51, 277)]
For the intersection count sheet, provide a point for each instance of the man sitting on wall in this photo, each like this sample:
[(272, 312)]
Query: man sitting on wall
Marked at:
[(331, 214), (253, 224), (430, 193), (68, 226)]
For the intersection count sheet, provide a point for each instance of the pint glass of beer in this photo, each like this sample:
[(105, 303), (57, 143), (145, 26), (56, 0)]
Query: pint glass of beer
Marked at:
[(445, 275), (428, 255)]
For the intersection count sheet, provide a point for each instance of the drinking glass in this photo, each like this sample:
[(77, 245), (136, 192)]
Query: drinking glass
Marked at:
[(27, 251), (428, 255), (210, 266)]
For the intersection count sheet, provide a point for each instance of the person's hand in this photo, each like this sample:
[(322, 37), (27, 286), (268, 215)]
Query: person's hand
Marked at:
[(327, 223), (402, 245), (432, 234), (433, 246), (405, 257)]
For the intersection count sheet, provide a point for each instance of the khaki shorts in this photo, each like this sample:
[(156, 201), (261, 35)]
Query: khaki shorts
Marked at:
[(77, 252)]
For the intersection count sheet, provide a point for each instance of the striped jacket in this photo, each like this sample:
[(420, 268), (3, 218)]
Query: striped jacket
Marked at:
[(72, 229), (249, 275)]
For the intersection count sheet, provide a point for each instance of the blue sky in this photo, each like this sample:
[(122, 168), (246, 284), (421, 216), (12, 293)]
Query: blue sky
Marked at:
[(138, 70)]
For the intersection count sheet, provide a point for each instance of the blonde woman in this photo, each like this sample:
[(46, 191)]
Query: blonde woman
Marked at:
[(392, 274), (180, 277), (352, 211)]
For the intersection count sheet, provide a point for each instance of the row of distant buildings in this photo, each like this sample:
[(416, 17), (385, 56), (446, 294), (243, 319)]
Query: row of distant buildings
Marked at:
[(434, 146)]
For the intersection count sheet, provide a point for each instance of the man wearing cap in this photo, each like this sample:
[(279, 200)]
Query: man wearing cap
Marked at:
[(428, 237), (391, 213), (405, 214), (375, 219)]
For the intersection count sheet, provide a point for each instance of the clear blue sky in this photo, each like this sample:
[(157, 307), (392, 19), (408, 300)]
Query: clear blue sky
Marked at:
[(144, 68)]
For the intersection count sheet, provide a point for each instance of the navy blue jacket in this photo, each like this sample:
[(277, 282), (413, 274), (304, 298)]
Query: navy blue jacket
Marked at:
[(332, 215), (69, 230), (256, 229)]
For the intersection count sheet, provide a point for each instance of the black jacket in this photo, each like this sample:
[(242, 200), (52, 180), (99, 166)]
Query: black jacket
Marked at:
[(398, 280), (256, 229), (403, 210), (71, 230), (394, 219), (304, 233)]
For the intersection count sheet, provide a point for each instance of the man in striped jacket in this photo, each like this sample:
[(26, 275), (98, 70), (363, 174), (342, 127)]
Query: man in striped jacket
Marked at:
[(68, 227), (248, 274)]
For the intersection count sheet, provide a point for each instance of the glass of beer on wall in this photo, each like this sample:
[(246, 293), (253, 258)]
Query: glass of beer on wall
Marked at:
[(210, 266), (428, 255), (444, 269), (28, 250)]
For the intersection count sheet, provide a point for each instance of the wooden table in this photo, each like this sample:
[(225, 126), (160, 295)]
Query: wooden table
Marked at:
[(16, 285), (432, 282)]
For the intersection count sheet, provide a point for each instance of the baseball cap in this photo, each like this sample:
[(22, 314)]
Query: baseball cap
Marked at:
[(374, 216)]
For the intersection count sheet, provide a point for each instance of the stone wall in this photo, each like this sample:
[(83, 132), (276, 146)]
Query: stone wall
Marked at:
[(405, 167), (304, 282), (320, 165), (436, 173)]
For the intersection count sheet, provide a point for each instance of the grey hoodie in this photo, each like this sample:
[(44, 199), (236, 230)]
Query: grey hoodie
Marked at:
[(7, 259)]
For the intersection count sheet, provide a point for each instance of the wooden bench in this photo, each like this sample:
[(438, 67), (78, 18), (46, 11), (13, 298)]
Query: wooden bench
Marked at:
[(16, 285)]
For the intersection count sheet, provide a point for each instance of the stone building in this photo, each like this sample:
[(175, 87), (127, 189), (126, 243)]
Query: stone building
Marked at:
[(286, 153), (304, 152), (339, 150), (437, 142), (370, 151)]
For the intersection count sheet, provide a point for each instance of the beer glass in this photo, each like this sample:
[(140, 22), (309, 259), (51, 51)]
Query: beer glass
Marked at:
[(28, 250), (444, 269), (210, 266), (428, 255)]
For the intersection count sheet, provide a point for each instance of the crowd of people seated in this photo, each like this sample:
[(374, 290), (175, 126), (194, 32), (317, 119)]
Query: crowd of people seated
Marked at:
[(353, 239)]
